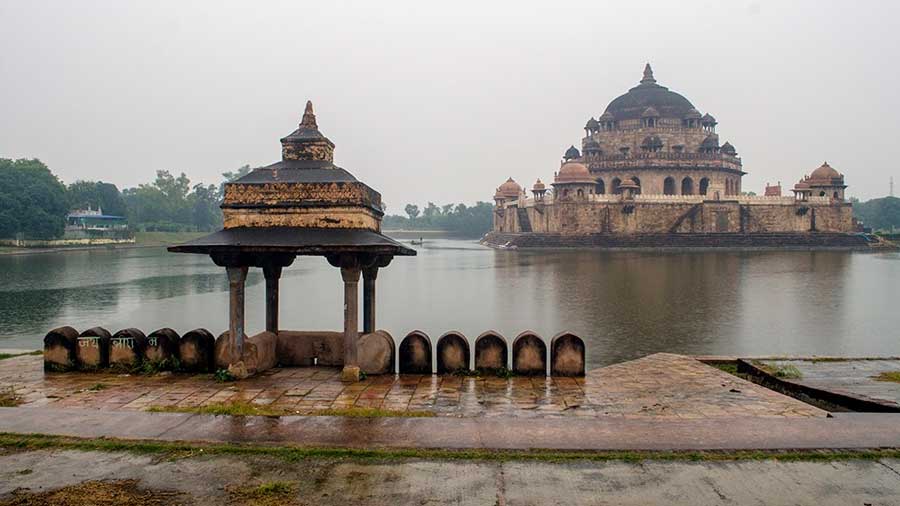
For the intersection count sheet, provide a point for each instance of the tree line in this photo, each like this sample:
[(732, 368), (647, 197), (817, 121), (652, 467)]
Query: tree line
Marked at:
[(457, 218), (34, 202)]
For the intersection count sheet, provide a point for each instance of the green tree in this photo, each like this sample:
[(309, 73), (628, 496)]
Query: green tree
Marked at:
[(412, 211), (32, 200), (96, 194), (879, 214)]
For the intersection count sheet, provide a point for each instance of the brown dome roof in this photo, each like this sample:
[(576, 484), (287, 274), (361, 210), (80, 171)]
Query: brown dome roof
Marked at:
[(573, 172), (509, 189), (825, 171), (631, 105), (538, 185)]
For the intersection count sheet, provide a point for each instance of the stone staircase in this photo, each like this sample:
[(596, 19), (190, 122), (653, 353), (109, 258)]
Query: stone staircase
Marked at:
[(524, 222)]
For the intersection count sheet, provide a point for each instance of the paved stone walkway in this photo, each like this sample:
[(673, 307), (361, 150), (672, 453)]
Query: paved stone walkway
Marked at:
[(660, 386), (853, 378)]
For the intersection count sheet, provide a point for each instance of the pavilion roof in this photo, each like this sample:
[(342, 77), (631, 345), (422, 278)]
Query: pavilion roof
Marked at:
[(294, 240)]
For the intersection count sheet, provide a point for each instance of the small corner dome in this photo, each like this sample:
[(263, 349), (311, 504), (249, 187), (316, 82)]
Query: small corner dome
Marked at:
[(825, 171), (538, 185), (573, 172), (708, 118), (592, 124), (728, 149), (571, 153), (510, 187)]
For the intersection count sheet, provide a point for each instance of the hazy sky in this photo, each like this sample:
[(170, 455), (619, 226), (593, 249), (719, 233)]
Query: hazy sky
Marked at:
[(440, 101)]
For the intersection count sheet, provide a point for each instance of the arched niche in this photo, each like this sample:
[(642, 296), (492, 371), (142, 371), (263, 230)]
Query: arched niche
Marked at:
[(415, 354), (529, 355)]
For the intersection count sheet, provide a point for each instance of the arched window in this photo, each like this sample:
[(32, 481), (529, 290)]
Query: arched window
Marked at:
[(836, 195), (615, 186), (600, 189), (821, 194), (704, 186), (669, 186), (687, 186), (580, 193), (565, 193), (637, 182)]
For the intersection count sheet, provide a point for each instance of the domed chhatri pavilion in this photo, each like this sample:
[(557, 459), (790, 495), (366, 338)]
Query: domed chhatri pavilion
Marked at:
[(652, 163)]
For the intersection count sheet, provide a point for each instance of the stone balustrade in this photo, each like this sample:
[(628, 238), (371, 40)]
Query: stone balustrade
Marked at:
[(130, 350)]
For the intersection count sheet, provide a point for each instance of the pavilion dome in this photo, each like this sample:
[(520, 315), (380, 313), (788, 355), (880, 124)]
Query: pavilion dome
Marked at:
[(573, 172), (538, 186), (571, 153), (509, 189), (825, 171), (648, 94)]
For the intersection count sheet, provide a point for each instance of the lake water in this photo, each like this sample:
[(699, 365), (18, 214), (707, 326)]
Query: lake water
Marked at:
[(624, 304)]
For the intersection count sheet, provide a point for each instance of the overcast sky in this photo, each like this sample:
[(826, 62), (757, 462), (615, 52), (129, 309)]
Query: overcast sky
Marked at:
[(439, 101)]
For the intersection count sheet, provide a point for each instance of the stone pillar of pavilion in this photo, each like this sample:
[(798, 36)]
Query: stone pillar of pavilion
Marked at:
[(302, 205)]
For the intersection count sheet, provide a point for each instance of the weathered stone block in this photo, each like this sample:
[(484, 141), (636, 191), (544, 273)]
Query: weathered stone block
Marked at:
[(195, 351), (567, 355), (376, 353), (162, 348), (529, 355), (307, 348), (93, 349), (259, 352), (452, 353), (491, 352), (126, 349), (415, 354), (59, 349)]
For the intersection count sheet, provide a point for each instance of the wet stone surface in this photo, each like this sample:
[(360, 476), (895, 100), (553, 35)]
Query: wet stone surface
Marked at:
[(863, 379), (656, 386)]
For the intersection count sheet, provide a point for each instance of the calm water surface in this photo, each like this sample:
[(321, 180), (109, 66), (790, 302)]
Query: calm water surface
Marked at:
[(624, 304)]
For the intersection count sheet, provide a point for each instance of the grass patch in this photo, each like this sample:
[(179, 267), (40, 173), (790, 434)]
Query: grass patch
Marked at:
[(4, 356), (32, 442), (780, 371), (729, 367), (237, 408), (8, 398), (892, 376), (372, 413), (271, 493), (120, 492), (96, 387)]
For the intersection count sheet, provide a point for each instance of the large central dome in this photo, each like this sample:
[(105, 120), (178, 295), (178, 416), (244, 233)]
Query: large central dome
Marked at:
[(649, 94)]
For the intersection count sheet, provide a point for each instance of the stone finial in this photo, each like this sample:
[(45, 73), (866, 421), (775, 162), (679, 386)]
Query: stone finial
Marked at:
[(309, 117), (648, 75)]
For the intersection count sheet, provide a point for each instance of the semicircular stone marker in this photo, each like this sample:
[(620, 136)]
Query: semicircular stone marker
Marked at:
[(529, 355), (415, 354), (126, 348), (195, 351), (59, 349), (92, 352), (162, 348), (452, 353)]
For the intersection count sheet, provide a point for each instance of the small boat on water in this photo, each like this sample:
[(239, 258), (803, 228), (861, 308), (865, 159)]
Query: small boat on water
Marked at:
[(417, 242)]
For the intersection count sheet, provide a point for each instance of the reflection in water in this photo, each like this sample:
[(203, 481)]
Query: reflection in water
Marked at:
[(624, 304)]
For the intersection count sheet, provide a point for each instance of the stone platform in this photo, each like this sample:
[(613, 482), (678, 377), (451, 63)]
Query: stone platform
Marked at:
[(661, 386), (865, 380)]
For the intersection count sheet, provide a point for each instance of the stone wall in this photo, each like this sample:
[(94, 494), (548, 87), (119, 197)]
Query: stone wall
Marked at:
[(704, 216)]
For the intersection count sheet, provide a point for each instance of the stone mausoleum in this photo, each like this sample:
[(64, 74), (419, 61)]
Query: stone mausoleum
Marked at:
[(653, 164)]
